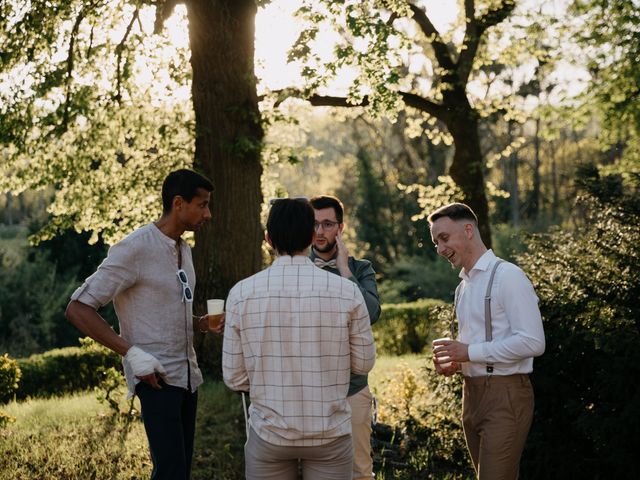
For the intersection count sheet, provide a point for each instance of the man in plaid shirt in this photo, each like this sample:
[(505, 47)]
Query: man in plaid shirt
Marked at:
[(294, 333)]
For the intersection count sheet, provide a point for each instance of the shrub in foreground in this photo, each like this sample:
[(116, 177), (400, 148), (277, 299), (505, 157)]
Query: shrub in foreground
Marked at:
[(9, 378), (65, 370), (407, 327)]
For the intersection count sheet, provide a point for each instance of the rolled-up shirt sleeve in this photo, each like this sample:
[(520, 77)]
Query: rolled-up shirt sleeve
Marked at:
[(115, 274)]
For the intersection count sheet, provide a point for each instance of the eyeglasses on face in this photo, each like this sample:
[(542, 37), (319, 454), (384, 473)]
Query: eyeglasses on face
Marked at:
[(325, 224), (276, 200), (187, 294)]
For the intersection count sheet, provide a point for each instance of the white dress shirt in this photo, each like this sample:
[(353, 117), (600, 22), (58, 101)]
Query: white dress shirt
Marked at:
[(515, 319)]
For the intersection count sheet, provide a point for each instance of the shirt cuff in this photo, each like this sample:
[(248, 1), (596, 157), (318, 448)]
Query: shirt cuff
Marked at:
[(83, 296), (476, 352)]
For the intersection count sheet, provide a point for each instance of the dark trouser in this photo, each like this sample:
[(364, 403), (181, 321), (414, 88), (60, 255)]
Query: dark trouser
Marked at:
[(169, 417), (496, 413)]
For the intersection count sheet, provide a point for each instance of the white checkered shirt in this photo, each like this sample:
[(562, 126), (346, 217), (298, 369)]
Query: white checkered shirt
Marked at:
[(293, 335)]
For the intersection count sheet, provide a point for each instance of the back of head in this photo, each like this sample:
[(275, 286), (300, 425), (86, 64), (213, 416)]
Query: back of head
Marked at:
[(290, 225), (184, 183), (454, 211), (320, 202)]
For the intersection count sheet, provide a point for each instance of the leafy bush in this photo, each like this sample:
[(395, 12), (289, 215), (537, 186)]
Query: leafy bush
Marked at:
[(406, 327), (35, 286), (9, 377), (587, 396), (414, 278), (65, 370)]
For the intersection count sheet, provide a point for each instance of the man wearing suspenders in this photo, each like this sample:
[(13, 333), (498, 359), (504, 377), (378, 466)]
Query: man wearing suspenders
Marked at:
[(499, 333)]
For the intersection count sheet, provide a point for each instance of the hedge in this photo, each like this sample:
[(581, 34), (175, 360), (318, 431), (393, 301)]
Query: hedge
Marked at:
[(409, 327), (65, 370)]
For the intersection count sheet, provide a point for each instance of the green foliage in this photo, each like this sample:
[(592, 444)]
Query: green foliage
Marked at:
[(410, 279), (424, 410), (407, 327), (6, 419), (588, 283), (112, 389), (65, 370), (10, 375), (35, 286), (32, 303), (609, 35)]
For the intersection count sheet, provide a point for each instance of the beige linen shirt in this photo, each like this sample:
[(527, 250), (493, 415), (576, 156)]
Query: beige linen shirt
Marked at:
[(293, 335), (139, 275)]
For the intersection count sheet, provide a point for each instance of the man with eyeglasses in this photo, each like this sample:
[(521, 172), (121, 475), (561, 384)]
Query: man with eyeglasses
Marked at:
[(330, 253), (150, 278), (293, 335)]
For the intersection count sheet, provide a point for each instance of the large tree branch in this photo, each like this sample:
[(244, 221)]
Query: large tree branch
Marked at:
[(410, 99), (119, 50), (475, 28), (70, 62), (443, 55)]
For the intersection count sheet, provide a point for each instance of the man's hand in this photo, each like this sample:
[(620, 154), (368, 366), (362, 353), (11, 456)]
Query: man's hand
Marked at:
[(446, 350), (342, 260), (144, 366), (447, 370), (204, 323)]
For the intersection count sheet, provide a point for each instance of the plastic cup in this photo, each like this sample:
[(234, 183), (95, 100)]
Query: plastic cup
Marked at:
[(215, 308), (444, 362)]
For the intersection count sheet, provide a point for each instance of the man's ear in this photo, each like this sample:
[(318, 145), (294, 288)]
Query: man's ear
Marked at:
[(267, 239), (176, 203), (341, 228), (469, 230)]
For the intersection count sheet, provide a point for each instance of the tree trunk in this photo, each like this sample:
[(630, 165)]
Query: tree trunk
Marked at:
[(227, 149), (467, 166), (535, 194), (514, 189)]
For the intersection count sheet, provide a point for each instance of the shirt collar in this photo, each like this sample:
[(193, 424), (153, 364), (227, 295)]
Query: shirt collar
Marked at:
[(161, 235), (289, 260), (483, 264), (313, 255)]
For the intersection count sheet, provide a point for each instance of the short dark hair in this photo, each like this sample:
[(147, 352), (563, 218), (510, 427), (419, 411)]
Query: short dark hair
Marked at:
[(327, 201), (184, 183), (455, 211), (290, 225)]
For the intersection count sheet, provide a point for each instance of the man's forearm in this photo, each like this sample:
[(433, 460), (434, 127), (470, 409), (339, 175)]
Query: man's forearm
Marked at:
[(88, 321)]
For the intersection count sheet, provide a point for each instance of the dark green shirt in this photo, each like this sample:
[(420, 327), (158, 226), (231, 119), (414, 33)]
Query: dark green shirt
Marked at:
[(363, 275)]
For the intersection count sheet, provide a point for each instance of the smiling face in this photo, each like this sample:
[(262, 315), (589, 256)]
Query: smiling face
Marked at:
[(454, 241), (194, 213)]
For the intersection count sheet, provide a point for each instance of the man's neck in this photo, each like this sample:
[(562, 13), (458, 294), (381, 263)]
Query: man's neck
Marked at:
[(167, 225), (474, 257)]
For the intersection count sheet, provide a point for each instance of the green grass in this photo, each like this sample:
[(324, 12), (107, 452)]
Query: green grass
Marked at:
[(77, 437), (72, 437)]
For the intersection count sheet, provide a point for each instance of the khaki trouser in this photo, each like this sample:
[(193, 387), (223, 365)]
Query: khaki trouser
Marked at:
[(361, 433), (496, 413), (265, 461)]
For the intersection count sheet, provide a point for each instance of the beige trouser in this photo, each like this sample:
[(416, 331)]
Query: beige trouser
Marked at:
[(361, 433), (265, 461), (496, 413)]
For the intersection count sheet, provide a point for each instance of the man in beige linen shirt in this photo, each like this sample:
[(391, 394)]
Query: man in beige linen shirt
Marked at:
[(149, 276), (293, 335)]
